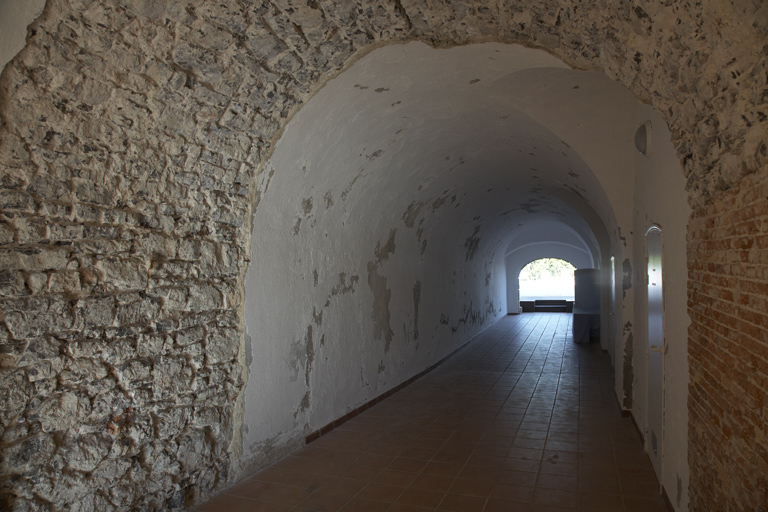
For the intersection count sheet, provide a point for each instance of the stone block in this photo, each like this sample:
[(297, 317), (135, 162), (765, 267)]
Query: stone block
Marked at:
[(17, 201), (84, 453), (12, 284), (32, 259), (204, 297), (222, 345), (29, 455), (7, 233), (62, 412), (121, 274), (36, 316)]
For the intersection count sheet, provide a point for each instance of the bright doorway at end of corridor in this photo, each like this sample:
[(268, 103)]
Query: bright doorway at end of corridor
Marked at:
[(547, 284)]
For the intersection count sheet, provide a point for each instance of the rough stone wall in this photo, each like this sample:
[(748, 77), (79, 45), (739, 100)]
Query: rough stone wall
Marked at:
[(132, 132), (728, 349)]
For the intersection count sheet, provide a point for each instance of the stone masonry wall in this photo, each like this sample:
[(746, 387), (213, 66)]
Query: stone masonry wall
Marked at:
[(728, 349), (131, 134)]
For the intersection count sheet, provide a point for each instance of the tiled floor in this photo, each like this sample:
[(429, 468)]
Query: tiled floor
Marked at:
[(522, 419)]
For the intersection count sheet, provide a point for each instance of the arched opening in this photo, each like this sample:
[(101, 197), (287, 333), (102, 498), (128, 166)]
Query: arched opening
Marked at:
[(655, 347), (547, 278), (228, 81), (397, 206)]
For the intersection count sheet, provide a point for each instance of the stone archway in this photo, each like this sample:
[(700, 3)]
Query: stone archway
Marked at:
[(132, 133)]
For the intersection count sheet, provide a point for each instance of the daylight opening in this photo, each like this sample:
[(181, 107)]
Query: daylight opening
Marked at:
[(547, 278)]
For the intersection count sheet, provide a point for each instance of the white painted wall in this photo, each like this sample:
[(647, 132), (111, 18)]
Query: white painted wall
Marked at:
[(660, 199), (407, 172), (414, 174), (15, 16)]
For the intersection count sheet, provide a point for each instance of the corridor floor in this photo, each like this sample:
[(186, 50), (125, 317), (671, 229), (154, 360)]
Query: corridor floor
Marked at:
[(522, 419)]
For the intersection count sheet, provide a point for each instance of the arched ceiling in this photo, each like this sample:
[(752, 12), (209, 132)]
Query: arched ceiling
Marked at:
[(409, 130), (384, 214), (545, 232)]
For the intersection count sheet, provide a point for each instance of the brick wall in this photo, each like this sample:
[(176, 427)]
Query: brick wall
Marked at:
[(728, 349)]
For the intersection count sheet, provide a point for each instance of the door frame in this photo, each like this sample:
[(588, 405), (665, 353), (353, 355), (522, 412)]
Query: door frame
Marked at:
[(652, 230)]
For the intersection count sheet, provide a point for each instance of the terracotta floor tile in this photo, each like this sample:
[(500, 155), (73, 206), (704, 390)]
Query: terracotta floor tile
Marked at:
[(537, 507), (472, 487), (522, 465), (269, 492), (559, 468), (462, 503), (536, 444), (512, 477), (405, 464), (228, 503), (390, 476), (419, 452), (344, 486), (637, 475), (381, 448), (640, 489), (509, 492), (532, 434), (293, 478), (600, 501), (586, 446), (561, 456), (321, 501), (432, 482), (562, 446), (554, 497), (561, 482), (363, 505), (356, 471), (374, 460), (522, 419), (401, 507), (387, 493), (604, 486), (494, 505), (425, 498), (443, 468), (632, 504), (525, 453), (597, 472)]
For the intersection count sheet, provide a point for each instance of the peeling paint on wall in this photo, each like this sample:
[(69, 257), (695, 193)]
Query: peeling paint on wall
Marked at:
[(626, 280), (410, 215), (381, 294), (347, 190), (472, 316), (306, 208), (472, 243), (264, 180), (343, 287), (306, 205), (629, 372), (309, 348), (416, 300), (383, 253), (380, 314)]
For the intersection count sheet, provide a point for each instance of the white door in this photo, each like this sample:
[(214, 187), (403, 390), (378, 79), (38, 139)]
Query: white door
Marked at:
[(656, 347)]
